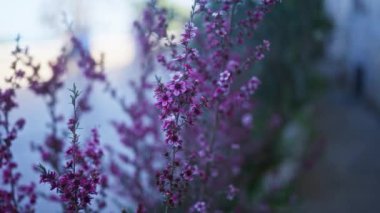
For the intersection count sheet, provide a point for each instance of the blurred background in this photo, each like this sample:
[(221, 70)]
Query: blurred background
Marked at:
[(318, 111)]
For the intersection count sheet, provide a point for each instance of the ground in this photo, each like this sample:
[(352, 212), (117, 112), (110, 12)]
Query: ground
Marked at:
[(347, 177)]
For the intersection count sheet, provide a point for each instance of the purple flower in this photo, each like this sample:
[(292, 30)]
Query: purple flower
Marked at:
[(199, 207), (251, 86), (165, 99), (233, 66), (189, 172), (189, 34), (12, 193), (266, 44), (246, 120), (173, 139), (77, 184), (232, 192), (177, 87), (224, 77), (202, 100)]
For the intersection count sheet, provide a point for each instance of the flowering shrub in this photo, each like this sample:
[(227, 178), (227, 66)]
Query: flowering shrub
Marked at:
[(141, 134), (81, 174), (183, 132), (205, 102), (28, 71), (12, 193)]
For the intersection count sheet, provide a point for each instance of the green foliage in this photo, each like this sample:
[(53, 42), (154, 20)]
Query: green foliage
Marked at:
[(297, 30)]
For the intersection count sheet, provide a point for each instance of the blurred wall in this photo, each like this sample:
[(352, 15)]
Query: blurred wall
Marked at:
[(356, 42)]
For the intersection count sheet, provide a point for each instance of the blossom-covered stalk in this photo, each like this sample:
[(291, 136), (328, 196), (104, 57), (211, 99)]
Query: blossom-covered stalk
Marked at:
[(52, 150), (79, 182), (53, 146), (179, 104), (200, 103), (12, 193), (139, 132)]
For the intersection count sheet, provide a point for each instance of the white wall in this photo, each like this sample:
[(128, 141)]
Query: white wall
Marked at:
[(356, 39)]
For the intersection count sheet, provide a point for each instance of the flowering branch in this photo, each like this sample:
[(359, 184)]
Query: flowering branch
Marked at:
[(201, 99), (11, 200), (78, 183)]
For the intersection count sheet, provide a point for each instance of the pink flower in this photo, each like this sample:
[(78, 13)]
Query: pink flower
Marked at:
[(246, 120), (224, 77), (199, 207), (165, 99), (251, 86), (173, 139), (177, 87), (232, 192), (189, 34)]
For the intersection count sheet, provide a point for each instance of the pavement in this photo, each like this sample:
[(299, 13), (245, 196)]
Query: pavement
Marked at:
[(347, 177)]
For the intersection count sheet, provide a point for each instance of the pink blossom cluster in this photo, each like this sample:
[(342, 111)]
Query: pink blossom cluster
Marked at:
[(140, 131), (52, 151), (14, 197), (206, 93), (81, 176)]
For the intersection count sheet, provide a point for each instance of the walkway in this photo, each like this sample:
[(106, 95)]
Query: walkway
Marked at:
[(347, 177)]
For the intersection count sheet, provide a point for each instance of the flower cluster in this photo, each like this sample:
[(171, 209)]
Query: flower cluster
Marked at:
[(189, 34), (27, 71), (140, 132), (12, 193), (203, 98), (179, 104), (52, 149), (91, 69), (81, 177), (199, 123), (199, 207), (232, 191)]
